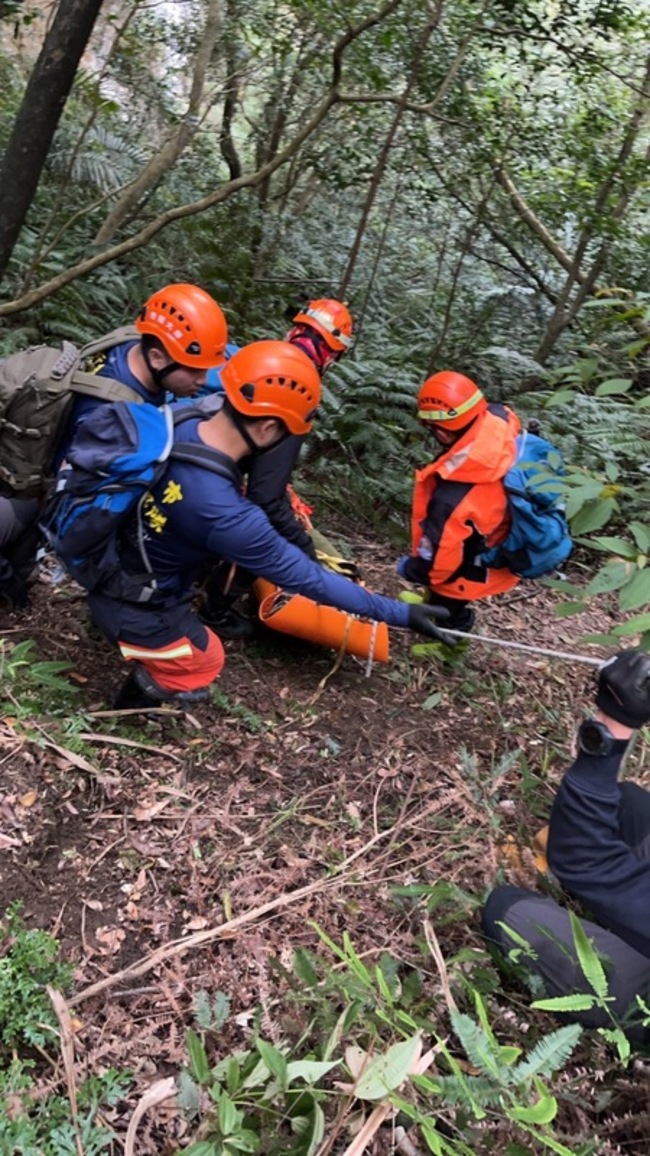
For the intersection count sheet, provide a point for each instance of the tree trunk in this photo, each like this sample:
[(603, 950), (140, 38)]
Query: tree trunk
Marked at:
[(39, 115), (166, 156)]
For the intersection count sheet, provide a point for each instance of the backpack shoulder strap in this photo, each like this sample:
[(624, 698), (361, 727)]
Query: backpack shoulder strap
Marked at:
[(103, 344), (93, 384), (105, 388), (208, 459)]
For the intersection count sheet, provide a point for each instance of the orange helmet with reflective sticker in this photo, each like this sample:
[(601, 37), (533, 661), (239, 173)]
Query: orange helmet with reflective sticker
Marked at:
[(273, 379), (450, 399), (331, 319), (188, 322)]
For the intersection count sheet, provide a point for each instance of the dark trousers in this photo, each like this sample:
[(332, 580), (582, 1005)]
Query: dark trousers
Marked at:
[(546, 929), (19, 533)]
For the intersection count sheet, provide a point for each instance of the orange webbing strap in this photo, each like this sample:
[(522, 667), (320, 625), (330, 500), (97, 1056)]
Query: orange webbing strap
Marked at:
[(301, 510), (323, 625)]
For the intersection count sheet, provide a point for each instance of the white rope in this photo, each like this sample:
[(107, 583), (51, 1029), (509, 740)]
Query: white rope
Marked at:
[(564, 654), (371, 649)]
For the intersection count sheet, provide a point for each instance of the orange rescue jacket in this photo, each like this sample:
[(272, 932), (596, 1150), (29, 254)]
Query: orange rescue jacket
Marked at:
[(460, 508)]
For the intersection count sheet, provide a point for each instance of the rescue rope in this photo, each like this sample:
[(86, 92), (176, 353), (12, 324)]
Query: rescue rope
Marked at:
[(566, 655), (371, 649)]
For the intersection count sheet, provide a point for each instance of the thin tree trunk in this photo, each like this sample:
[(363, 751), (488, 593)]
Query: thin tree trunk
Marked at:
[(566, 310), (47, 91), (165, 158), (382, 161)]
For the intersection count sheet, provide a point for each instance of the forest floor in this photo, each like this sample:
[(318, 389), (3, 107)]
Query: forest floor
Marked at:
[(135, 840)]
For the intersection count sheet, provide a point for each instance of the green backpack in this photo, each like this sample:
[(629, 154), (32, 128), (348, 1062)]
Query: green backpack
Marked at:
[(37, 391)]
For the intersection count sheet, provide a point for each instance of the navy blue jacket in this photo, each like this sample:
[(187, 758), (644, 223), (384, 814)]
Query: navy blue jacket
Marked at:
[(194, 516), (590, 859)]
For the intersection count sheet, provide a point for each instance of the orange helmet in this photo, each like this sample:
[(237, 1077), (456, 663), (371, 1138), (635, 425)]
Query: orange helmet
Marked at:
[(331, 319), (273, 379), (450, 399), (188, 322)]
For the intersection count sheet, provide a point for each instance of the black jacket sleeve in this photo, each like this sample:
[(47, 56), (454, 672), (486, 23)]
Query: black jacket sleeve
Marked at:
[(268, 477), (588, 855)]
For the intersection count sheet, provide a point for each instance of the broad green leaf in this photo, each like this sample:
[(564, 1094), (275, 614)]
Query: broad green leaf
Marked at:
[(199, 1065), (274, 1060), (636, 592), (244, 1141), (560, 397), (204, 1148), (432, 701), (566, 609), (508, 1054), (230, 1117), (614, 546), (542, 1112), (636, 625), (611, 576), (309, 1070), (615, 385), (388, 1071), (593, 516), (641, 534)]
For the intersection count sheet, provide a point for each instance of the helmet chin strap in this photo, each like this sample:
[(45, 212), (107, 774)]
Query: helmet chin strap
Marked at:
[(159, 375), (240, 424)]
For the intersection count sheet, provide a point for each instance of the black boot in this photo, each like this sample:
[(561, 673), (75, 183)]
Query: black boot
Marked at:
[(141, 691), (221, 615)]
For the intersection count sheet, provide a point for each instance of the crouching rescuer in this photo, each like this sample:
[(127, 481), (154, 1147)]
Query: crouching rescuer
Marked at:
[(194, 515), (460, 506)]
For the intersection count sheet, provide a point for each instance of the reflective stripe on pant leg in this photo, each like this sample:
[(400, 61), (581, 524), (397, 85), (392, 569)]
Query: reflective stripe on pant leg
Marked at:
[(182, 664)]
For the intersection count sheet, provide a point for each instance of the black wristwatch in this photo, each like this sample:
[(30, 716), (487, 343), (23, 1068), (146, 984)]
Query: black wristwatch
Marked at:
[(594, 738)]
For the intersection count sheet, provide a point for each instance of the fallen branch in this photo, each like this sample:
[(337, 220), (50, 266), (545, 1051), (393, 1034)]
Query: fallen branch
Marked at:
[(90, 737), (226, 930), (67, 1051), (159, 1092)]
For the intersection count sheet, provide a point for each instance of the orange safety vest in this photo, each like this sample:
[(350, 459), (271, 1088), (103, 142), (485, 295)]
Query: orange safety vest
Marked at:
[(461, 497)]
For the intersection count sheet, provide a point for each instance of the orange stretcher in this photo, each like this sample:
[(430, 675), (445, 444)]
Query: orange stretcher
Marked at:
[(323, 625)]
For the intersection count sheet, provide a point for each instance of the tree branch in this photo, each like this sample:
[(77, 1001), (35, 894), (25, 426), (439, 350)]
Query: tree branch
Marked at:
[(250, 180)]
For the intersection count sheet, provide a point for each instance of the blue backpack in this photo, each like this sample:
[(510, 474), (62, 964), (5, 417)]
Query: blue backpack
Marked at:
[(538, 540), (114, 460)]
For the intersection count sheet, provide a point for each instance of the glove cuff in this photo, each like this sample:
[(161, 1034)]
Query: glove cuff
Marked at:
[(610, 706)]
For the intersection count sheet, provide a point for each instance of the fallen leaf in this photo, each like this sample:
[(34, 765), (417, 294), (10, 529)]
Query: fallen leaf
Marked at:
[(143, 814), (111, 937), (28, 799)]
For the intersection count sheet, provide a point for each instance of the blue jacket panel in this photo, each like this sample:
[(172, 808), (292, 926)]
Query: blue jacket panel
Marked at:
[(588, 856), (193, 517), (115, 366)]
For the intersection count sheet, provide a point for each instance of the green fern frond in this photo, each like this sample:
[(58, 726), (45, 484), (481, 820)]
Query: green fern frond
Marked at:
[(549, 1055)]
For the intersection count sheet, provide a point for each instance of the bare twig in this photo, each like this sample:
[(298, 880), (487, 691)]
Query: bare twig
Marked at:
[(67, 1052)]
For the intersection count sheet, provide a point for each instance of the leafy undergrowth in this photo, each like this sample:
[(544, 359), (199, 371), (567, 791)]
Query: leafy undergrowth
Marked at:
[(287, 874)]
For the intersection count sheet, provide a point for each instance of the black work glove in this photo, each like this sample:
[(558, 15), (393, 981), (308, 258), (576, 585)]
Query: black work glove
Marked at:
[(422, 619), (624, 688)]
